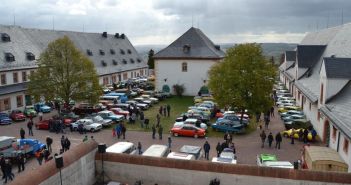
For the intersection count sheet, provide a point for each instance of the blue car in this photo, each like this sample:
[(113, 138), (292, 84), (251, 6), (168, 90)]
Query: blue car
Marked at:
[(233, 117), (30, 146), (230, 126), (5, 119), (106, 114), (41, 107)]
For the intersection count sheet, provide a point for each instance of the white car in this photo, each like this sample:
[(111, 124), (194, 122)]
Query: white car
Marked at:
[(285, 102), (190, 121), (88, 125), (226, 156), (148, 97), (102, 121)]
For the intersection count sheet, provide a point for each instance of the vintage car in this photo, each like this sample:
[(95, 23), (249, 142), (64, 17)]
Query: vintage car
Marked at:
[(193, 150), (85, 108), (106, 114), (188, 130), (17, 115), (120, 111), (230, 126), (233, 117), (287, 133), (88, 125), (194, 115), (143, 101), (29, 110), (227, 156), (287, 108), (102, 121), (291, 112), (191, 121), (42, 107), (141, 106), (69, 115), (263, 158), (197, 99), (270, 160), (44, 124), (5, 119), (149, 97)]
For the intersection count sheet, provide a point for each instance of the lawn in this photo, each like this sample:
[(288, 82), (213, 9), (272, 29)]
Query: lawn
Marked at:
[(178, 106)]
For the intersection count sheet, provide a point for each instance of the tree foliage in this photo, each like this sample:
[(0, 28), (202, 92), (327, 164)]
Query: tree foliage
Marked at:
[(151, 61), (64, 72), (244, 79)]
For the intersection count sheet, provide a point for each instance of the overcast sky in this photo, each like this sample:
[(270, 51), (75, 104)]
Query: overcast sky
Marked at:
[(162, 21)]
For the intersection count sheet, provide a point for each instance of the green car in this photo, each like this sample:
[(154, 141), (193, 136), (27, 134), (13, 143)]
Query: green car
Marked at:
[(29, 110), (263, 158)]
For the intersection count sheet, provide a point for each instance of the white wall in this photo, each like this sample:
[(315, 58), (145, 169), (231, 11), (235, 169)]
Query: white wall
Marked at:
[(13, 100), (193, 79)]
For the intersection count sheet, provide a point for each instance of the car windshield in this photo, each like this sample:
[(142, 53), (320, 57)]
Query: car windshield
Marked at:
[(98, 118)]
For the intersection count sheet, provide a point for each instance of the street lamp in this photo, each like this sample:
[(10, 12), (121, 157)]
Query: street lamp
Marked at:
[(102, 150), (59, 164)]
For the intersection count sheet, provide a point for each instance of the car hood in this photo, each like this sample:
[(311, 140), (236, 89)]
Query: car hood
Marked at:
[(96, 125)]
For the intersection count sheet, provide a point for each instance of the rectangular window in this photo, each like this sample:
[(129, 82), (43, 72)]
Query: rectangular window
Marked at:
[(105, 80), (3, 79), (334, 133), (321, 98), (15, 77), (19, 100), (184, 67), (125, 76), (318, 116), (5, 104), (346, 145), (114, 78), (131, 74), (24, 76)]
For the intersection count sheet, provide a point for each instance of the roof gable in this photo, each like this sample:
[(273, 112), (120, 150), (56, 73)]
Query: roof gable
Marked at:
[(309, 55), (337, 67), (192, 44)]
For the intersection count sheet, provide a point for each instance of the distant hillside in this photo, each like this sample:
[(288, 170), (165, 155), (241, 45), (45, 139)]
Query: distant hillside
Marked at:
[(269, 49)]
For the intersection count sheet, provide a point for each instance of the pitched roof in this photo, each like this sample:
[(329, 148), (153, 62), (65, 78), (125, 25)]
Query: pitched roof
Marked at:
[(338, 110), (309, 55), (290, 55), (338, 67), (36, 40), (192, 44)]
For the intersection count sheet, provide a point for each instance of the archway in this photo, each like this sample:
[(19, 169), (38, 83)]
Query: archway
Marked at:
[(326, 134), (204, 90)]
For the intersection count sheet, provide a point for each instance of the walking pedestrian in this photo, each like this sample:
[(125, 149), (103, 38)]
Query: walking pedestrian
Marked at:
[(158, 119), (169, 142), (85, 138), (153, 128), (270, 139), (207, 148), (141, 119), (8, 170), (272, 111), (118, 130), (278, 140), (266, 121), (263, 138), (30, 128), (124, 130), (49, 143), (67, 144), (63, 143), (139, 148), (305, 136), (164, 111), (292, 136), (218, 149), (39, 155), (20, 162), (22, 133), (160, 130), (168, 110), (160, 110), (40, 114)]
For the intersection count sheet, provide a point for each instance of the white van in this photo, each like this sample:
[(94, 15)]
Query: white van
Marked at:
[(111, 99), (183, 156), (122, 147), (279, 164), (156, 151)]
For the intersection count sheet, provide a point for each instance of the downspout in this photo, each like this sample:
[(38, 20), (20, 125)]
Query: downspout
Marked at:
[(337, 146)]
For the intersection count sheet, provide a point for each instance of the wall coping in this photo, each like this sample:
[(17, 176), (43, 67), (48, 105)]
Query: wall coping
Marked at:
[(45, 171), (239, 169)]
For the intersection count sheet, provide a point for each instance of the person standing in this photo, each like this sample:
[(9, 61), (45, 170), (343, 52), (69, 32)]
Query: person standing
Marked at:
[(2, 165), (85, 138), (139, 148), (63, 143), (266, 121), (263, 138), (20, 162), (118, 130), (160, 110), (168, 109), (22, 133), (218, 149), (153, 128), (169, 142), (141, 119), (270, 139), (40, 114), (305, 136), (272, 111), (39, 155), (124, 130), (292, 136), (278, 140), (164, 111), (160, 130), (8, 170), (207, 148), (67, 144), (30, 128), (49, 143), (158, 119)]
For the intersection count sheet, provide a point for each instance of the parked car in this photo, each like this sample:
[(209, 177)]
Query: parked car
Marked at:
[(233, 117), (143, 101), (70, 115), (5, 119), (289, 120), (110, 115), (119, 111), (188, 130), (262, 158), (85, 108), (29, 110), (287, 108), (227, 156), (42, 125), (290, 112), (270, 160), (287, 133), (228, 126), (88, 125), (17, 115), (102, 121), (141, 106), (42, 107), (191, 121), (193, 150), (149, 97)]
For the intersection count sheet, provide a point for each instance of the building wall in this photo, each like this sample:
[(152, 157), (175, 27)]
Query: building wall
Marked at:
[(13, 101), (111, 78), (193, 79)]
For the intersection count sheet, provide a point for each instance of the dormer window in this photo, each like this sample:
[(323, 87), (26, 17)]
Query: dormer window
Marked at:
[(89, 52), (123, 36), (5, 37), (122, 51), (114, 62), (132, 61), (124, 61), (30, 56), (138, 60), (104, 34), (129, 51), (103, 63), (186, 48), (102, 52), (9, 57), (117, 35), (112, 51)]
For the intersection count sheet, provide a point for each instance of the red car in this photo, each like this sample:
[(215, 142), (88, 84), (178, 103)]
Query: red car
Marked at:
[(44, 124), (119, 111), (188, 130), (17, 115)]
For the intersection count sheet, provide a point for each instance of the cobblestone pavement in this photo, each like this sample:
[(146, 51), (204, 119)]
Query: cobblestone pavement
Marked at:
[(247, 146)]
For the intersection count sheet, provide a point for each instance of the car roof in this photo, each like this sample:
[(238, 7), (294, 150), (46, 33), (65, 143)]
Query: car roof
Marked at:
[(190, 149)]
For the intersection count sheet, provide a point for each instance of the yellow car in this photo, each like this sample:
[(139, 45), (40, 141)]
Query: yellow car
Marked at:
[(287, 108), (197, 99), (151, 78), (287, 133), (207, 98)]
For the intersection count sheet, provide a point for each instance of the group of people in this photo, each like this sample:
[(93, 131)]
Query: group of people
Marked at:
[(56, 124), (165, 110), (6, 169), (270, 138), (119, 131), (65, 144)]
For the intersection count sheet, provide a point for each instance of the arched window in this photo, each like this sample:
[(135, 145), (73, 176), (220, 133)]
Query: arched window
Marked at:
[(184, 67)]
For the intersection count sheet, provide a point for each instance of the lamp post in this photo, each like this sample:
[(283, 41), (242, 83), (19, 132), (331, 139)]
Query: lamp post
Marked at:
[(59, 164), (102, 150)]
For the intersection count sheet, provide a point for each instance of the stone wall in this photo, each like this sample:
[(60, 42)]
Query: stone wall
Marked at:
[(79, 169), (130, 168)]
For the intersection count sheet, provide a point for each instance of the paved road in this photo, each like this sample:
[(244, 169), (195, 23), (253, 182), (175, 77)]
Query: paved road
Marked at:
[(247, 146)]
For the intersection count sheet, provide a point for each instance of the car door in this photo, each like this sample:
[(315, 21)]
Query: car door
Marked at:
[(186, 131)]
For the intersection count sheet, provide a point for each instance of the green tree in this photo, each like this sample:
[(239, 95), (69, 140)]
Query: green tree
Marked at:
[(244, 80), (151, 61), (64, 72)]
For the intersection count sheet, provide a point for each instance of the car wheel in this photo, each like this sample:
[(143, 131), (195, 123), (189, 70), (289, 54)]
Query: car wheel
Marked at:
[(175, 134), (196, 136)]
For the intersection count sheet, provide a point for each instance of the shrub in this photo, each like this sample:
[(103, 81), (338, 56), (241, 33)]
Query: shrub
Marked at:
[(179, 89)]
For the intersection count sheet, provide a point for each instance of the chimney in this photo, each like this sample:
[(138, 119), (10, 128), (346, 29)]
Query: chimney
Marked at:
[(104, 34), (117, 35), (123, 36), (218, 47)]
